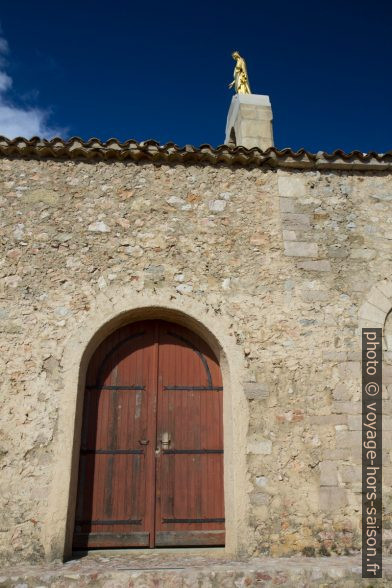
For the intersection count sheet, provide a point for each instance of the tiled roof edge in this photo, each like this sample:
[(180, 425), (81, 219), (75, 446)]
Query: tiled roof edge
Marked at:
[(94, 149)]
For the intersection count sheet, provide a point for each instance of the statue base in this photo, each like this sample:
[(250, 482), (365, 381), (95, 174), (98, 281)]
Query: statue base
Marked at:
[(249, 122)]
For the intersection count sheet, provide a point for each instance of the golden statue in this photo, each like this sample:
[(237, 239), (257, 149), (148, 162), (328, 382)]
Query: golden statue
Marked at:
[(240, 81)]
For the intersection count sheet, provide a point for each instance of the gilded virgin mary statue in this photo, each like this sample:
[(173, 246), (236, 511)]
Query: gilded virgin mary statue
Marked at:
[(240, 82)]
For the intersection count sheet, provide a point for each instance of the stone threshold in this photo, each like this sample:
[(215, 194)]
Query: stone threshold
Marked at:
[(147, 551), (181, 568)]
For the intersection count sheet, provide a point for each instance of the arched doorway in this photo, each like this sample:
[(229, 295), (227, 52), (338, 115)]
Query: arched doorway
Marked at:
[(151, 456)]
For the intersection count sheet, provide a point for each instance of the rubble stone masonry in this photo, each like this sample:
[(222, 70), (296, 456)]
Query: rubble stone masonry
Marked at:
[(292, 262)]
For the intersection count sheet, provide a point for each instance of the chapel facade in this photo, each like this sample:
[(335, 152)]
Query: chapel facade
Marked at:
[(180, 342)]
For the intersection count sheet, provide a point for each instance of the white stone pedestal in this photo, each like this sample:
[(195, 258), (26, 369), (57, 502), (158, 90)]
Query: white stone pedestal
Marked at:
[(249, 122)]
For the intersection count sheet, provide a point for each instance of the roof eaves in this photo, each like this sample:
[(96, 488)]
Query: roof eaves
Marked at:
[(131, 150)]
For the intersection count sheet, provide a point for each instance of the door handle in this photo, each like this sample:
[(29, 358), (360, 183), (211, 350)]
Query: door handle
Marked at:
[(143, 441), (165, 440)]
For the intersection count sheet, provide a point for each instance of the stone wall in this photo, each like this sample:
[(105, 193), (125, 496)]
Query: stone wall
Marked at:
[(286, 258)]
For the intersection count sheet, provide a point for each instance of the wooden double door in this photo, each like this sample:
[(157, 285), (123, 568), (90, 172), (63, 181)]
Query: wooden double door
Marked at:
[(151, 457)]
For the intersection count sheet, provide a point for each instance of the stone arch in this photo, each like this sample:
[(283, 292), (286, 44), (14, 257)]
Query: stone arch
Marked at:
[(111, 311), (232, 138), (376, 312), (388, 333)]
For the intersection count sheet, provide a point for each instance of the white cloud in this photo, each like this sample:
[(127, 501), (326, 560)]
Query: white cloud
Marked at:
[(5, 82), (18, 121)]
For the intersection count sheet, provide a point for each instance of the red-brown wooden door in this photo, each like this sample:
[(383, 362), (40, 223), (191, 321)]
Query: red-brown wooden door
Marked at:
[(151, 458)]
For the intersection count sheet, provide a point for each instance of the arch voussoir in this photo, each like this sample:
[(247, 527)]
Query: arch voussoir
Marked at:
[(377, 305)]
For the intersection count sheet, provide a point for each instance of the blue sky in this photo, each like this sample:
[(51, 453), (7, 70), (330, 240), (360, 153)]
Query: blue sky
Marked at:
[(159, 70)]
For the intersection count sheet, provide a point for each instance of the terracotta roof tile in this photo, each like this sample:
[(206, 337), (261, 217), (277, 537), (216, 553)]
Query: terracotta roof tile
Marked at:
[(131, 150)]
